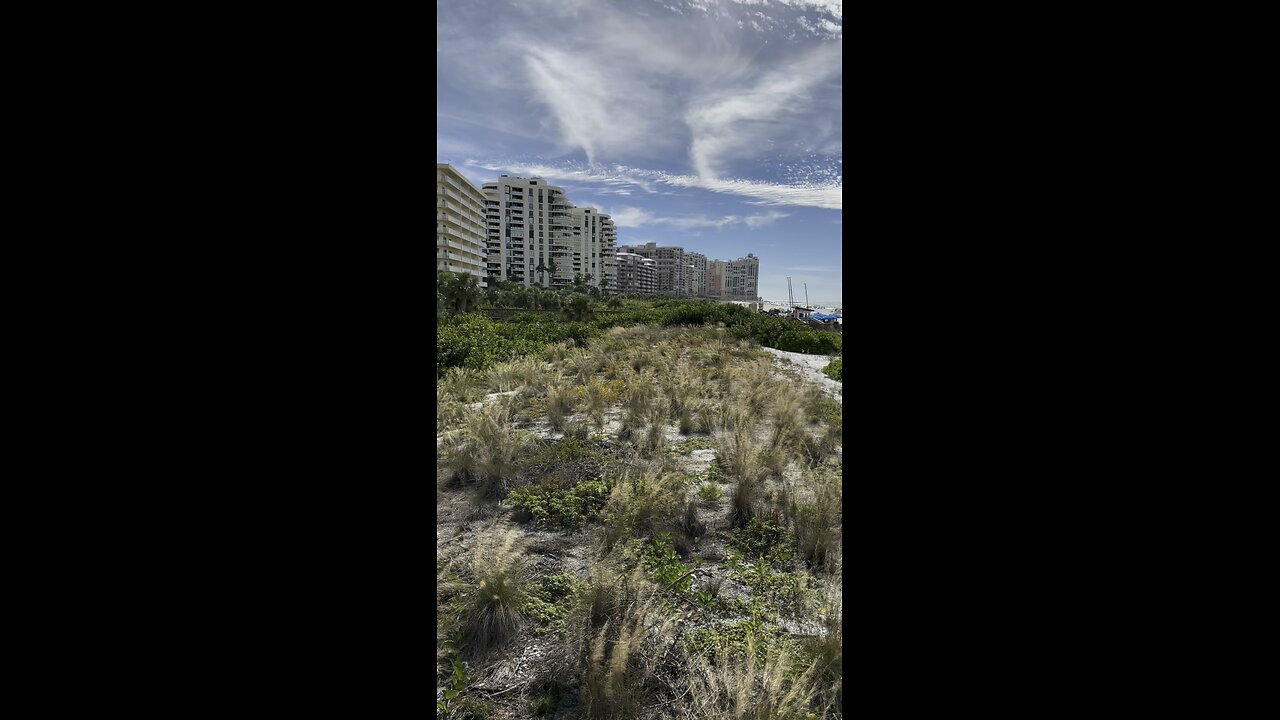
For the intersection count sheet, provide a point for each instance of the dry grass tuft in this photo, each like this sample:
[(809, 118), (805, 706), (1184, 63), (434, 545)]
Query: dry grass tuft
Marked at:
[(490, 614), (559, 351), (639, 396), (615, 632), (489, 449), (559, 405), (600, 396), (584, 366), (817, 516), (448, 411), (647, 499), (654, 440), (462, 384), (786, 417), (741, 686)]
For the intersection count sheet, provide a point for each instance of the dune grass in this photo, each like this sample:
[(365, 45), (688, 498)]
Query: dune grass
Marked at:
[(638, 636)]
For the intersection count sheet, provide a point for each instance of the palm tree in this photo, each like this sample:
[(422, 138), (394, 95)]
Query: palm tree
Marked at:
[(542, 269), (551, 268), (458, 289)]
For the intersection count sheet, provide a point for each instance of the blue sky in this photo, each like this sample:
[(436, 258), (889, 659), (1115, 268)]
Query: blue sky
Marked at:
[(715, 126)]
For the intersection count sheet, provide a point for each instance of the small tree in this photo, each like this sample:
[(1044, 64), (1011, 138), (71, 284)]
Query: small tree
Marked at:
[(578, 308)]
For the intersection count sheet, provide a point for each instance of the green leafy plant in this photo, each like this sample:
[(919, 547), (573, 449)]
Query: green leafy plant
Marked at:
[(661, 558), (547, 600), (552, 506), (766, 535), (458, 682), (710, 492)]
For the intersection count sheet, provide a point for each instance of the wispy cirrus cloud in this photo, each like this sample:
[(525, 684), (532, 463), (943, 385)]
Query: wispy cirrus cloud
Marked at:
[(736, 122), (632, 217), (827, 194)]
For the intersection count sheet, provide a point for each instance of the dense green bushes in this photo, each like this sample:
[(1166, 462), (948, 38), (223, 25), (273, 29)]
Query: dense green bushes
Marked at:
[(476, 342), (833, 370)]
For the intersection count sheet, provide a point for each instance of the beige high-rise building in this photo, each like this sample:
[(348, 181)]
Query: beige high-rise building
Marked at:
[(742, 279), (636, 273), (460, 224), (715, 278), (671, 265)]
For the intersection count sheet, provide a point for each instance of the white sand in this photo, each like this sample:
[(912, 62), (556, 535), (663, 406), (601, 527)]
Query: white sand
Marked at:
[(811, 367)]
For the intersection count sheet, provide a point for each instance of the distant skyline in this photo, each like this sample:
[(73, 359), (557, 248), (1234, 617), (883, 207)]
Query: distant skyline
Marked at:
[(714, 126)]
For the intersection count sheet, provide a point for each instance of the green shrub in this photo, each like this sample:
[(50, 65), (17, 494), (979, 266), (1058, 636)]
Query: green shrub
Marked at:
[(552, 506), (710, 492), (548, 599), (833, 370), (474, 341), (766, 535), (661, 558)]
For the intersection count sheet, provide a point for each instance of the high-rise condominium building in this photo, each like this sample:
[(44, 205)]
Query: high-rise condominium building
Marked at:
[(460, 226), (715, 278), (595, 239), (537, 237), (671, 265), (695, 280), (636, 273), (608, 257), (529, 231), (742, 279)]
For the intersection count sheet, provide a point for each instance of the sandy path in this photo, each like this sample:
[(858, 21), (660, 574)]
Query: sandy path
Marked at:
[(811, 366)]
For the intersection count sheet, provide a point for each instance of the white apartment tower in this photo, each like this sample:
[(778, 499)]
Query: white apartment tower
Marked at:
[(536, 237), (695, 279), (608, 254), (529, 231), (595, 239), (460, 224)]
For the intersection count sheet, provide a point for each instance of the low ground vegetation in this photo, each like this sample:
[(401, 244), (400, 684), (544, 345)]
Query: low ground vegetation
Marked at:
[(474, 341), (651, 517)]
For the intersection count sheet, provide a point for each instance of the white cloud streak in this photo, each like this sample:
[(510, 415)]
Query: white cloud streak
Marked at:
[(821, 195), (632, 217), (736, 122)]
